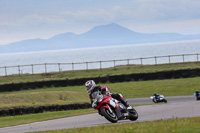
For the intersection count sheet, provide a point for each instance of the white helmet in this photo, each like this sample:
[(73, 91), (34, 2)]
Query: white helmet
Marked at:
[(90, 85)]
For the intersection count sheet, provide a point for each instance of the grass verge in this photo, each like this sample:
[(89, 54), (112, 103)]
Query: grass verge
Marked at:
[(97, 72), (181, 125), (77, 94)]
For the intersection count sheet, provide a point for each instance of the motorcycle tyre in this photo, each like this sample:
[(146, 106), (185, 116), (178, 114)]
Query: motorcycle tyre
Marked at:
[(198, 98), (154, 100), (133, 117), (164, 100), (106, 114)]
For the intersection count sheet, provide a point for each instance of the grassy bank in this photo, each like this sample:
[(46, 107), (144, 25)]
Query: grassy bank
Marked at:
[(97, 72), (182, 125), (77, 94)]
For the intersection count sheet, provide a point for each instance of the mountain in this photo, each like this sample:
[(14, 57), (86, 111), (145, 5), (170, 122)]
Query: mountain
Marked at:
[(104, 35)]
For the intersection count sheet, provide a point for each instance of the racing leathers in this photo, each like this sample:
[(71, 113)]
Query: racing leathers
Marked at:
[(106, 91)]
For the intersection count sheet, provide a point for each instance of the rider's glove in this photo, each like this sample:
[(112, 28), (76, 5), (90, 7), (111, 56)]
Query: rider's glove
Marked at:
[(94, 105)]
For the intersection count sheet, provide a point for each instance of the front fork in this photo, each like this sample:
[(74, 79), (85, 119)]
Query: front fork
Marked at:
[(111, 111)]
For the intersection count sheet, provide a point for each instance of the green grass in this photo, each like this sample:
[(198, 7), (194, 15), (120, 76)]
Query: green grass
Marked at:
[(181, 125), (97, 72), (170, 87), (77, 94), (45, 96), (41, 98)]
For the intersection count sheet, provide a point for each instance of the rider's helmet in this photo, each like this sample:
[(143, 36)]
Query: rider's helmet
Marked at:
[(197, 91), (90, 85), (155, 94)]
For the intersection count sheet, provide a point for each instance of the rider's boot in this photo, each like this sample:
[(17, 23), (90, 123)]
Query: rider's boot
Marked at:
[(126, 104), (121, 99)]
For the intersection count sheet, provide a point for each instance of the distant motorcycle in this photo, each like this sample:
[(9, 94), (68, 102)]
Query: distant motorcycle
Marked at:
[(159, 98), (197, 94), (112, 109)]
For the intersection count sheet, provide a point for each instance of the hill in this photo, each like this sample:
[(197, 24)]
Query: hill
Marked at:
[(104, 35)]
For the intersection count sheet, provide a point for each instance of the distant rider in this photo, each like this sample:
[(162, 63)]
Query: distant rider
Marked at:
[(156, 96), (197, 94), (91, 87)]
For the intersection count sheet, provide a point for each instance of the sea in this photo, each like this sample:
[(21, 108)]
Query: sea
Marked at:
[(98, 57)]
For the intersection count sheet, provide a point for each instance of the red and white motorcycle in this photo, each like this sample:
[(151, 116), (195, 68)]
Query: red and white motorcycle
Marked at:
[(112, 109)]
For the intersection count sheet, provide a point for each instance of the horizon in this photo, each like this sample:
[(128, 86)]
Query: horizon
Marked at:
[(102, 47), (92, 29), (22, 20)]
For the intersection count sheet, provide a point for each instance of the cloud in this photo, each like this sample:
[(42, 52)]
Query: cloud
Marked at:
[(36, 18), (50, 17), (137, 10), (92, 15), (184, 27), (140, 10), (162, 10)]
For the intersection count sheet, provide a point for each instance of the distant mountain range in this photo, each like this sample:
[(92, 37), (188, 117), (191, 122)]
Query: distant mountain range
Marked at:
[(104, 35)]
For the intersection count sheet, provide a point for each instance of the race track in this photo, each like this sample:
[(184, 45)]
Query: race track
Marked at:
[(177, 107)]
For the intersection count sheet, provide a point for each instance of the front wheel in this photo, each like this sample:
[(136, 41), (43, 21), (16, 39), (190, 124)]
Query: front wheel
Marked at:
[(133, 115), (110, 116), (198, 98), (154, 100)]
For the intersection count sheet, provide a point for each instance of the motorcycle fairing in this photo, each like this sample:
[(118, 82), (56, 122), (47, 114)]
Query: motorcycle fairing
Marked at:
[(118, 111)]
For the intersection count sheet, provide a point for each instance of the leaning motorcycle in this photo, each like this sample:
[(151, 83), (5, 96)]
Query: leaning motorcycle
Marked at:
[(197, 96), (112, 109), (158, 99)]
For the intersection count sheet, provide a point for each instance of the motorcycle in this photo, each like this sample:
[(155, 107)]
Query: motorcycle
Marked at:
[(159, 98), (197, 96), (112, 109)]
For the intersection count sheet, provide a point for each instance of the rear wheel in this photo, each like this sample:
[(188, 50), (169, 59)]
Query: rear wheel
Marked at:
[(110, 116), (133, 115)]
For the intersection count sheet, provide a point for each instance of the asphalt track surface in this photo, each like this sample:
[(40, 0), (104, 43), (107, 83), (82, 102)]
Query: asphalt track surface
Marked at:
[(177, 107)]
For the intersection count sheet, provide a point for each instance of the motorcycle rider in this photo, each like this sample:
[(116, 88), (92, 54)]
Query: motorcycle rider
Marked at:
[(156, 96), (197, 94), (91, 87)]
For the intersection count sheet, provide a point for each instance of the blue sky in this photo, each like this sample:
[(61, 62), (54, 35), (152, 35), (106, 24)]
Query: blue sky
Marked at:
[(28, 19)]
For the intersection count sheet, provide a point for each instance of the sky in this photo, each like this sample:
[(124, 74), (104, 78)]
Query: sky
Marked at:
[(30, 19)]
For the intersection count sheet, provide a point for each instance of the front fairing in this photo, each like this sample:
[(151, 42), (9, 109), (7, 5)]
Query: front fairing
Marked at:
[(102, 101), (111, 104), (161, 97), (99, 99), (152, 97)]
